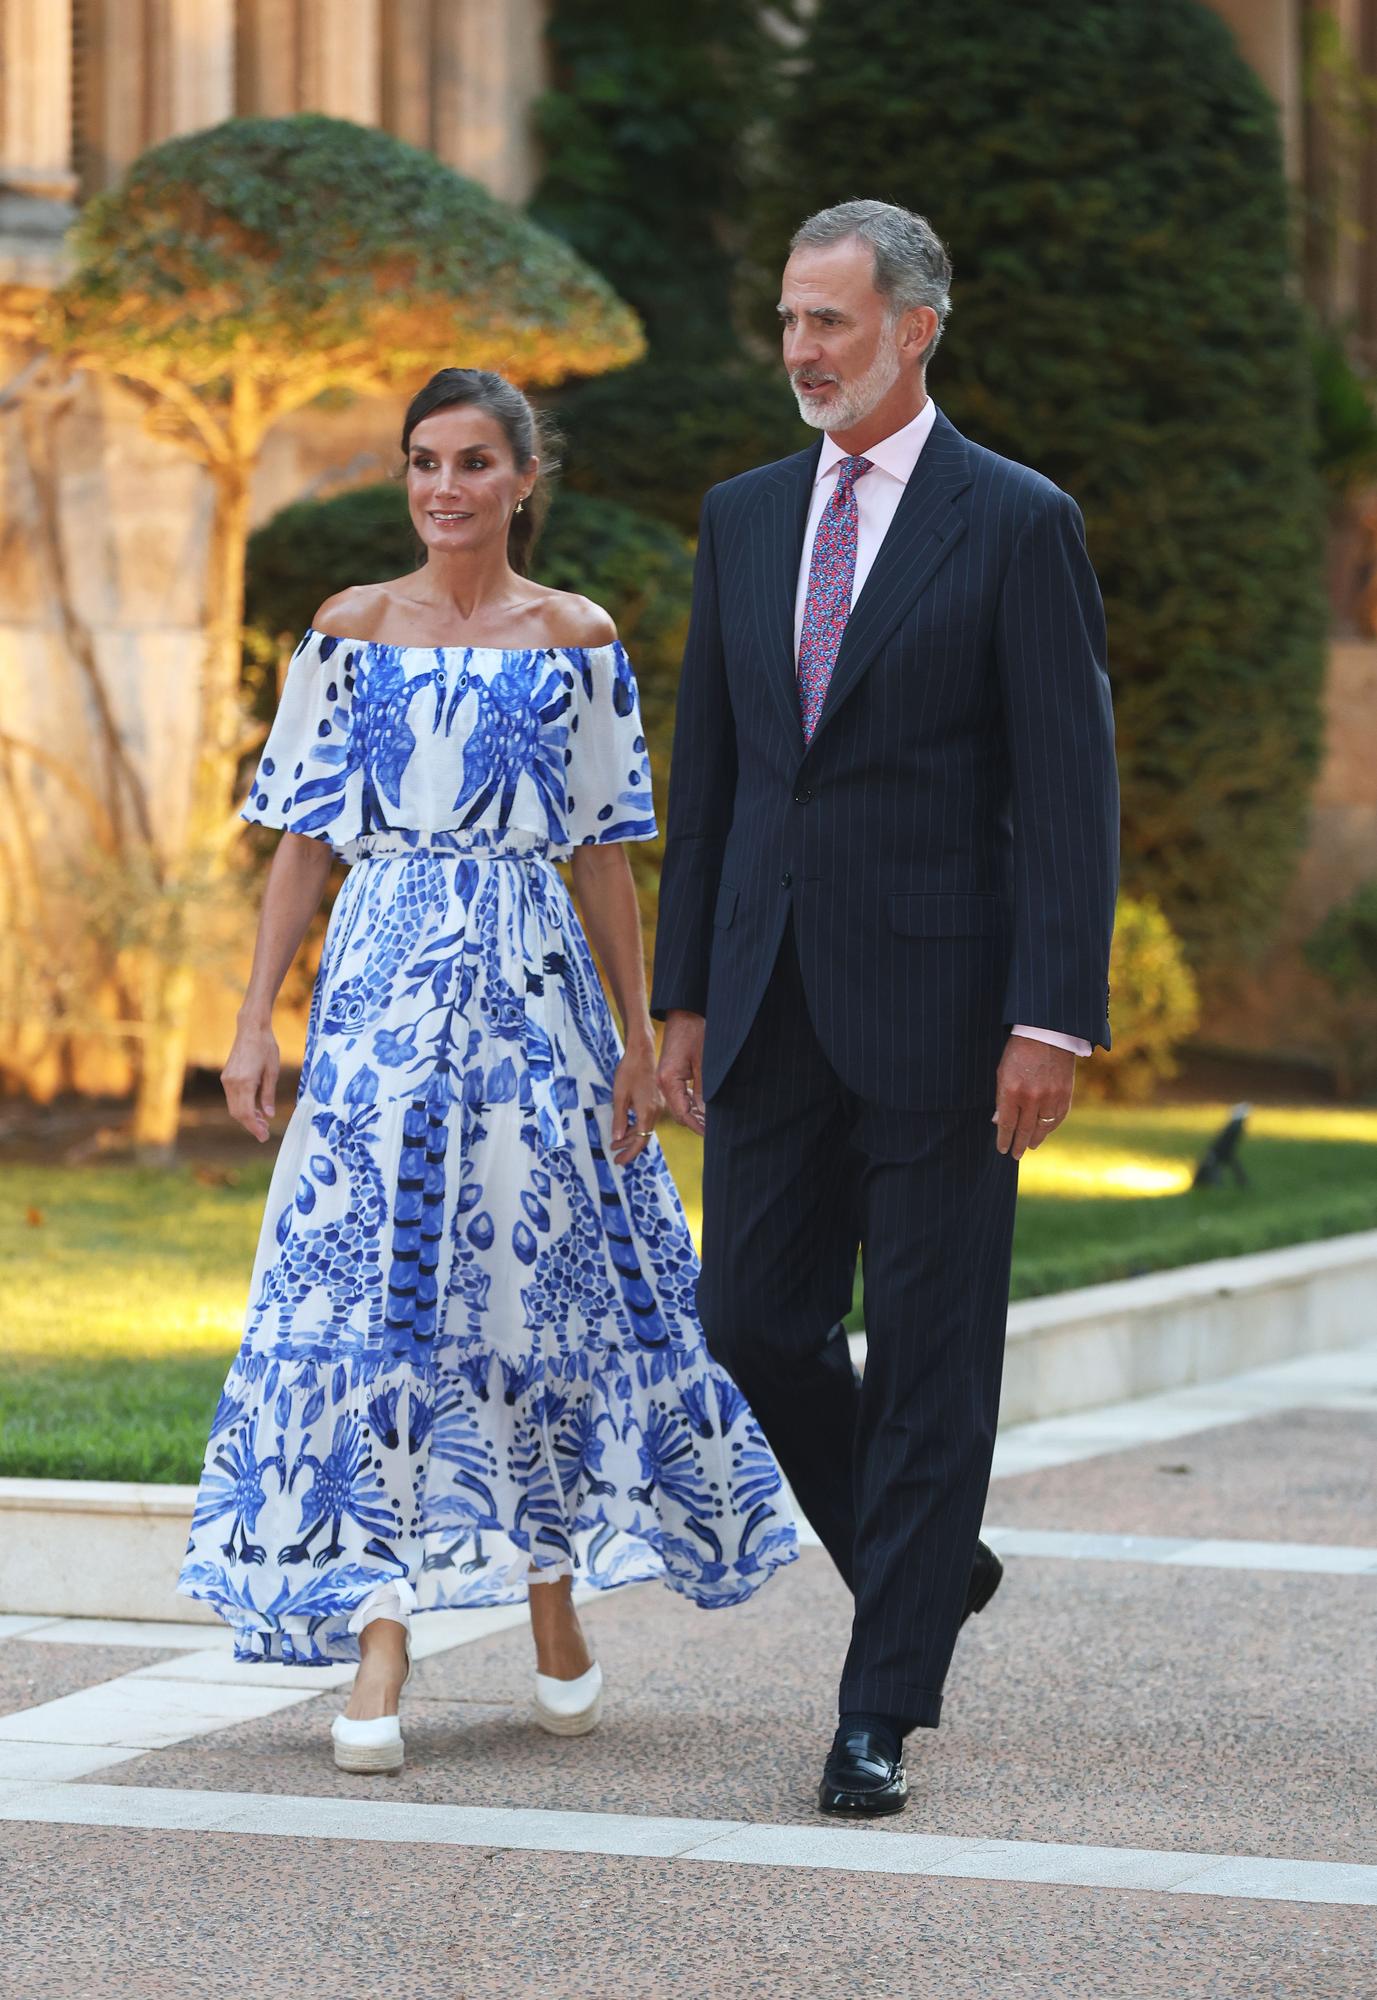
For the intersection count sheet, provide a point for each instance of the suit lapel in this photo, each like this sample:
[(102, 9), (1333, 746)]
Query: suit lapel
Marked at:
[(781, 519), (925, 529)]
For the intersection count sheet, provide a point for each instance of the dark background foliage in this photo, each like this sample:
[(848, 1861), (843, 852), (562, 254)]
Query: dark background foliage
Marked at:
[(1107, 175), (645, 137), (658, 435), (649, 141)]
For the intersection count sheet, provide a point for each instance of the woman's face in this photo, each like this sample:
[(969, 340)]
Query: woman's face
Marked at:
[(461, 482)]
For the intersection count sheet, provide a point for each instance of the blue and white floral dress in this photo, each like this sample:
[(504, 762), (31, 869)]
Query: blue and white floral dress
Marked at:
[(471, 1347)]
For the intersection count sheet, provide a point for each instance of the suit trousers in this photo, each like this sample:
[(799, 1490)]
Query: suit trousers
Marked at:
[(891, 1469)]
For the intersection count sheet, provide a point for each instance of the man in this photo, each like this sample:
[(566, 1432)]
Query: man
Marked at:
[(883, 939)]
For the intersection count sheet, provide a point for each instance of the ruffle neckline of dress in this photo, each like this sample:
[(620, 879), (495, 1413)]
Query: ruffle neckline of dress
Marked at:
[(503, 652)]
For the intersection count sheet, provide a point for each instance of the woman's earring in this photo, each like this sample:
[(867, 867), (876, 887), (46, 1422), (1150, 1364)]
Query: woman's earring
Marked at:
[(519, 505)]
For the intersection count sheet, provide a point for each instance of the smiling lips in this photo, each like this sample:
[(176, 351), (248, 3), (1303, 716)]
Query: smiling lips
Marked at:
[(448, 520)]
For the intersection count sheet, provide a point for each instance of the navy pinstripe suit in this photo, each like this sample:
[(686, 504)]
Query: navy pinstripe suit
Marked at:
[(862, 921)]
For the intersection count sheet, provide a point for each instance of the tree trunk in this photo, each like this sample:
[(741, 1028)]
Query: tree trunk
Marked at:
[(168, 994), (171, 986)]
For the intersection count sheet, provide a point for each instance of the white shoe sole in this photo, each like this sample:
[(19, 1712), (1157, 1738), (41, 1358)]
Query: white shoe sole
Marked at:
[(368, 1759), (570, 1725)]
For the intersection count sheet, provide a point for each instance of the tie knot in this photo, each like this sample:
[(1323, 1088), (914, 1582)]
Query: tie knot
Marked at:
[(850, 470)]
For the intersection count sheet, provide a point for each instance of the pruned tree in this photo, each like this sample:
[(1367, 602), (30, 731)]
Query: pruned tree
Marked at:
[(242, 272)]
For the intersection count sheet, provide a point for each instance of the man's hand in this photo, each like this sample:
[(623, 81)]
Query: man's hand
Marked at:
[(1033, 1093), (681, 1069)]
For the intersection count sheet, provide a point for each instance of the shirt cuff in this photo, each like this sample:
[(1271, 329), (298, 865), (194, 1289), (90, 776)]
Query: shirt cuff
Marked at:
[(1072, 1042)]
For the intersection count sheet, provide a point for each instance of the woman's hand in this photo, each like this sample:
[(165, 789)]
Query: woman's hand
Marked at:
[(635, 1095), (250, 1077)]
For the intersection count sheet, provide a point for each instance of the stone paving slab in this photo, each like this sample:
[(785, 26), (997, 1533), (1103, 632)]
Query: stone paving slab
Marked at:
[(1298, 1475), (1093, 1702), (156, 1916), (834, 1846), (31, 1673)]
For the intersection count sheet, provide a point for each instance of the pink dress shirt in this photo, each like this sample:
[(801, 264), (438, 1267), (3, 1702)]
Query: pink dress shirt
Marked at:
[(877, 501)]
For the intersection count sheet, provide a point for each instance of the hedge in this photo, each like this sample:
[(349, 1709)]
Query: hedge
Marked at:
[(1108, 176), (648, 136), (644, 138), (655, 437)]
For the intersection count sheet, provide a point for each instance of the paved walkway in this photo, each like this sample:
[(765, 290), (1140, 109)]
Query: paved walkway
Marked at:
[(1156, 1776)]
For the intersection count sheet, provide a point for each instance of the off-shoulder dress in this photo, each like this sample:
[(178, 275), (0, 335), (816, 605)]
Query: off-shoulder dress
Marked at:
[(471, 1345)]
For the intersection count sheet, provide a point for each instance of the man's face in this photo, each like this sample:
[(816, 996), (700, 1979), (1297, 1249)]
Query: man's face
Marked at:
[(841, 348)]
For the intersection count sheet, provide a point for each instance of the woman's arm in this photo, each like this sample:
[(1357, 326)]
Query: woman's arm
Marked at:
[(606, 895), (296, 882)]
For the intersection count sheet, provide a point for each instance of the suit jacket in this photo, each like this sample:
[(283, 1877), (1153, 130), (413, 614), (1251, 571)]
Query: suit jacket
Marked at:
[(948, 843)]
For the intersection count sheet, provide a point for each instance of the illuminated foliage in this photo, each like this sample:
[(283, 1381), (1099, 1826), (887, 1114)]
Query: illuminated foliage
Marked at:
[(267, 259)]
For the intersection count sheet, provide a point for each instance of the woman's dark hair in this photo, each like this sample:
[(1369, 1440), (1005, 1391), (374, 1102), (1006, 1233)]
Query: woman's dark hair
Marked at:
[(526, 430)]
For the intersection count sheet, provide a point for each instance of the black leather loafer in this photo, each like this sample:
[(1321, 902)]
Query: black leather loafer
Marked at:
[(862, 1776), (987, 1573)]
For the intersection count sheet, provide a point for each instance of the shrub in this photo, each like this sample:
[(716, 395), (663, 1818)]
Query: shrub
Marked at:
[(308, 253), (1108, 176), (1154, 1004), (643, 136), (1345, 416), (664, 431), (646, 140), (1342, 951)]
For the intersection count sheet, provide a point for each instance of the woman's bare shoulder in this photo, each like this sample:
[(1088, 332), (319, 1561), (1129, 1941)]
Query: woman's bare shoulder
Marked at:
[(357, 612), (571, 620)]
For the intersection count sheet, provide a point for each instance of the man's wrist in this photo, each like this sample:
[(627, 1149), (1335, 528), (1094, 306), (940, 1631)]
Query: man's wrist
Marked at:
[(1074, 1044)]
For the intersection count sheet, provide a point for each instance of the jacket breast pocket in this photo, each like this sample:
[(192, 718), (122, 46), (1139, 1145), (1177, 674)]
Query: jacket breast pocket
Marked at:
[(724, 914), (947, 915)]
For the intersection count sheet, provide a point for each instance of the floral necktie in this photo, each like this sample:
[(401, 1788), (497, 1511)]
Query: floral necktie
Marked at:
[(827, 606)]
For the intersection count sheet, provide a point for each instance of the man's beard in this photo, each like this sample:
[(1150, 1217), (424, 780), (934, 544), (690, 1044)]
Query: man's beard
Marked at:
[(854, 401)]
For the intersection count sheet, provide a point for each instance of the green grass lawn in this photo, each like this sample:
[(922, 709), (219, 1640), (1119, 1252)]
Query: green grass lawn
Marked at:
[(125, 1290)]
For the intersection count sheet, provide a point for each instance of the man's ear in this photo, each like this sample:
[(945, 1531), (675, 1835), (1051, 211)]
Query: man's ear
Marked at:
[(919, 328)]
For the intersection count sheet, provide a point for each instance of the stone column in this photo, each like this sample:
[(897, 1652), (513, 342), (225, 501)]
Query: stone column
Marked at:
[(190, 65), (1269, 35), (341, 48), (489, 67), (112, 117), (36, 98), (407, 67), (268, 59)]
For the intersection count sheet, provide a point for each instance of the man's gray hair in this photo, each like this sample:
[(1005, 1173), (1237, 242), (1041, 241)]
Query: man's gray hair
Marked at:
[(912, 267)]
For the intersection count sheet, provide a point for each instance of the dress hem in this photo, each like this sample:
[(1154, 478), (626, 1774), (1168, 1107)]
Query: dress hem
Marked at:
[(296, 1640)]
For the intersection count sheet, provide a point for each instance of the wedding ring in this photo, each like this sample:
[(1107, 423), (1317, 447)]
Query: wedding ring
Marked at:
[(1047, 1121)]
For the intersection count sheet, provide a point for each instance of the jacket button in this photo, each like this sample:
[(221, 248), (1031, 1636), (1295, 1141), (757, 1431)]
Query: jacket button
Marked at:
[(786, 880)]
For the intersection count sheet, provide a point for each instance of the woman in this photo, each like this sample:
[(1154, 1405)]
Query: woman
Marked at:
[(472, 1361)]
